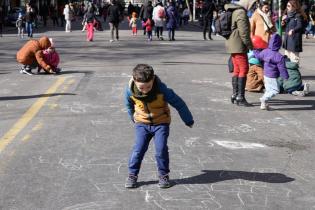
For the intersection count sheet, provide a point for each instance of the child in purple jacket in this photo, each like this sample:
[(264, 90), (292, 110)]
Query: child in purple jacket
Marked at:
[(274, 66)]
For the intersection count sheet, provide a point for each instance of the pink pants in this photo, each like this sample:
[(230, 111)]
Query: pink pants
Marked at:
[(240, 63), (134, 30), (90, 32)]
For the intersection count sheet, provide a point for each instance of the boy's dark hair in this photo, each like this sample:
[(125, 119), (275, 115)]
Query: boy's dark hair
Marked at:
[(143, 73)]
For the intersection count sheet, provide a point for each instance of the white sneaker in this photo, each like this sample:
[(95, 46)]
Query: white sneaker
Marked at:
[(263, 105), (298, 93), (24, 71), (306, 89), (111, 41)]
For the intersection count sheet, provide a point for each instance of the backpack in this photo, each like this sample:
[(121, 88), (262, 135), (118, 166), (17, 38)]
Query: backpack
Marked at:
[(223, 25), (161, 13)]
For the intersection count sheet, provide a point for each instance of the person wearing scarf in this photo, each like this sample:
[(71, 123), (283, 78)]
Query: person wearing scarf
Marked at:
[(261, 23), (292, 21)]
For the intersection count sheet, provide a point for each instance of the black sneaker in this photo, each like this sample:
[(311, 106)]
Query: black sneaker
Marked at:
[(164, 181), (131, 181)]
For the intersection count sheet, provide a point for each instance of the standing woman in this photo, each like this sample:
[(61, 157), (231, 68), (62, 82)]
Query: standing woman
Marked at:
[(66, 13), (171, 20), (261, 23), (292, 21), (29, 18)]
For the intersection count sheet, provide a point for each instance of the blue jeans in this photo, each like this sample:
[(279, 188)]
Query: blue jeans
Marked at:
[(144, 134), (29, 29), (271, 88)]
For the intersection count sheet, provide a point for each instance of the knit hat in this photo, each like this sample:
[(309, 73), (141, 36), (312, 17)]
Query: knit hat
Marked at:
[(52, 44), (247, 4)]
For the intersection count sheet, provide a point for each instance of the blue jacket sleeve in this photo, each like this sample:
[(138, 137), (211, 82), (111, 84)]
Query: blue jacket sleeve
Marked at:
[(177, 102), (282, 69), (129, 104)]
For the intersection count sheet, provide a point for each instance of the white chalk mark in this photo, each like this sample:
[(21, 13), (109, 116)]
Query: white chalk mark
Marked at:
[(239, 197), (181, 148), (277, 121), (158, 205), (191, 141), (239, 145), (118, 169), (299, 175), (243, 128), (70, 164), (42, 160), (148, 197)]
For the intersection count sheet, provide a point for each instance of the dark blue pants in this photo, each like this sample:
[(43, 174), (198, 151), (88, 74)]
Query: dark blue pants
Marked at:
[(144, 134), (171, 33), (29, 29)]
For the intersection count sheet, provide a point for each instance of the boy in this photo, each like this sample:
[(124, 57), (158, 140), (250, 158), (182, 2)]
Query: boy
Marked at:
[(147, 101), (274, 66)]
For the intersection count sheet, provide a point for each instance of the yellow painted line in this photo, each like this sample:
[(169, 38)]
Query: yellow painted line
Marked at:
[(28, 116), (26, 137), (53, 106), (70, 82), (38, 126)]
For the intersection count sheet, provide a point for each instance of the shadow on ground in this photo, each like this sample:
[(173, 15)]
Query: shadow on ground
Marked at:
[(213, 176), (8, 98)]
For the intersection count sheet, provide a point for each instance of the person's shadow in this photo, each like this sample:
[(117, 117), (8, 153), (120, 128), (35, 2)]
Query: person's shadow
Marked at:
[(212, 176)]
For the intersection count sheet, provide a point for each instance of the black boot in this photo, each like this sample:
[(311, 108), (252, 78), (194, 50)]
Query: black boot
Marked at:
[(240, 99), (204, 36), (235, 89)]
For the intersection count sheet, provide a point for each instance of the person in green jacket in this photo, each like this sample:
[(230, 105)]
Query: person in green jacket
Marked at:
[(238, 44), (294, 84)]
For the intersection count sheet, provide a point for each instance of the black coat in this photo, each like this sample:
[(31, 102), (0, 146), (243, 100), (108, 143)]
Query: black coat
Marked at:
[(208, 9), (293, 43), (146, 11), (113, 13)]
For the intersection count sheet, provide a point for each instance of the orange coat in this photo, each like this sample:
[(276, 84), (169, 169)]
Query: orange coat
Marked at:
[(32, 52), (257, 27)]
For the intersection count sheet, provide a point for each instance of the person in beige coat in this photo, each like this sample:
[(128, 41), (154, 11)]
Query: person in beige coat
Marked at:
[(261, 23), (238, 45)]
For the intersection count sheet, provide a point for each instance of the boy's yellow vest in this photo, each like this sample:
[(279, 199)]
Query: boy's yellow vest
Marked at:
[(155, 112)]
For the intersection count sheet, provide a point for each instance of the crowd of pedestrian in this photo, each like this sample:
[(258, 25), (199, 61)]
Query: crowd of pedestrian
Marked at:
[(254, 47), (253, 29)]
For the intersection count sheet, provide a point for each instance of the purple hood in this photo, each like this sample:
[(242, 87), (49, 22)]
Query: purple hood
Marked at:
[(275, 42), (274, 63)]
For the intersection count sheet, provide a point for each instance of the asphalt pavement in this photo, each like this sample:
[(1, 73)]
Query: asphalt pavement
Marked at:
[(65, 139)]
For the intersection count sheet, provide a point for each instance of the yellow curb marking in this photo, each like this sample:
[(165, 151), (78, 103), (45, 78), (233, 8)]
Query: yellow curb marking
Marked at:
[(28, 115)]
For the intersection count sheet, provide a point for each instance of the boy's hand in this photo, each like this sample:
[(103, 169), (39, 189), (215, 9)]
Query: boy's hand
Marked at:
[(190, 124)]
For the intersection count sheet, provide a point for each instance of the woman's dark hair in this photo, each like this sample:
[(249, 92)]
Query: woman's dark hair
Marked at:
[(263, 3), (143, 73)]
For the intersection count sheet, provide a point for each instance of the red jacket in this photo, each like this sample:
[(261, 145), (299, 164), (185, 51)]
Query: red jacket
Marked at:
[(148, 25)]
